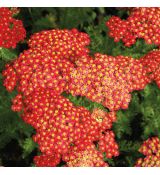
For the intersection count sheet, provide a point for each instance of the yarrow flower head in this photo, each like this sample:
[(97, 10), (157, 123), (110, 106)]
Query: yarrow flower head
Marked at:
[(89, 157), (40, 75), (11, 30), (151, 63), (108, 145), (69, 44), (151, 149), (47, 161), (107, 80), (47, 61), (143, 22)]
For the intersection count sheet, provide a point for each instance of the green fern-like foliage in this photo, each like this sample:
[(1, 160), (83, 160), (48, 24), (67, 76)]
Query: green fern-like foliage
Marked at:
[(6, 54)]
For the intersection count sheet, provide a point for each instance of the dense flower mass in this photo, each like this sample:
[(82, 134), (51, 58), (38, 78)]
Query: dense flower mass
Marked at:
[(11, 29), (107, 80), (58, 61), (48, 60), (141, 23), (151, 149), (88, 157), (151, 63), (47, 160), (31, 73), (69, 44), (108, 145), (61, 125), (40, 75)]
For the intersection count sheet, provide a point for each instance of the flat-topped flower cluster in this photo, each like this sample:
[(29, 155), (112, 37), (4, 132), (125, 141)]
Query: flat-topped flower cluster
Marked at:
[(151, 149), (12, 30), (143, 22)]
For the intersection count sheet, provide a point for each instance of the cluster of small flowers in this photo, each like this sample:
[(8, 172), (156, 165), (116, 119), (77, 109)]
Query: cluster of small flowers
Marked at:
[(143, 22), (63, 127), (47, 161), (151, 63), (10, 77), (151, 149), (89, 157), (40, 75), (108, 145), (48, 60), (59, 124), (36, 69), (11, 29), (107, 80), (69, 44)]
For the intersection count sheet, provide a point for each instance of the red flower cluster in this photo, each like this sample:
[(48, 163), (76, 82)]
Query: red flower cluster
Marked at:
[(89, 157), (69, 44), (31, 73), (47, 161), (151, 63), (103, 120), (108, 145), (62, 127), (40, 75), (44, 65), (10, 78), (151, 149), (142, 22), (107, 80), (11, 30), (17, 103)]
